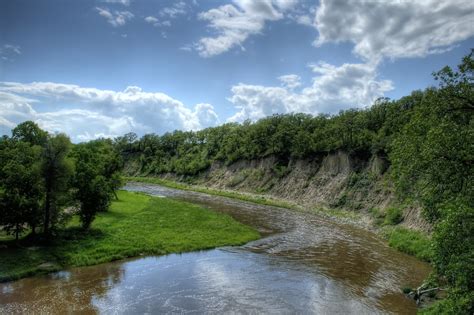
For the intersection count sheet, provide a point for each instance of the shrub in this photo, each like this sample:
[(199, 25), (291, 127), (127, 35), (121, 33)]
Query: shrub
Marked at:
[(393, 216)]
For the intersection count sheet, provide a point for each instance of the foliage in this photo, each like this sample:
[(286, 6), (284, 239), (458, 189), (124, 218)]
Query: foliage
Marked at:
[(454, 246), (30, 132), (21, 186), (454, 304), (56, 170), (91, 188), (41, 181), (96, 178), (432, 156), (393, 216)]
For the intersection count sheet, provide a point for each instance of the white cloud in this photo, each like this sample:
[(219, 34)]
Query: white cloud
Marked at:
[(151, 19), (395, 29), (115, 18), (123, 2), (84, 125), (378, 30), (156, 22), (290, 81), (234, 23), (172, 12), (206, 114), (333, 88), (167, 14), (87, 113)]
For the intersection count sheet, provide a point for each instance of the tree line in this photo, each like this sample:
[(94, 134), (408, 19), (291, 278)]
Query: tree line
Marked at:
[(44, 180)]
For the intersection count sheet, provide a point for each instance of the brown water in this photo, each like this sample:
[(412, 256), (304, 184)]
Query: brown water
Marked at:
[(304, 264)]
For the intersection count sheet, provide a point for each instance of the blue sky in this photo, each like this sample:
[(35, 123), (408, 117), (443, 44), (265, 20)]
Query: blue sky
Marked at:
[(95, 68)]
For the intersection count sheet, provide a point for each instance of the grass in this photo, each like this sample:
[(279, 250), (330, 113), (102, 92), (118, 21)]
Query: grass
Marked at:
[(225, 193), (410, 242), (135, 225)]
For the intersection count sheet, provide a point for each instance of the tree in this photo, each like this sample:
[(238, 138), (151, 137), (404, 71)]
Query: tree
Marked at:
[(457, 86), (21, 190), (56, 171), (29, 131), (432, 156), (453, 258), (91, 188)]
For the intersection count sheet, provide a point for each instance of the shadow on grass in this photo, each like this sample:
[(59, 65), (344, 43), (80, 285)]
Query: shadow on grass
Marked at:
[(77, 233)]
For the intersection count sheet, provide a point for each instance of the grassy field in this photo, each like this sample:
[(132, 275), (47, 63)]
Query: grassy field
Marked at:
[(135, 225)]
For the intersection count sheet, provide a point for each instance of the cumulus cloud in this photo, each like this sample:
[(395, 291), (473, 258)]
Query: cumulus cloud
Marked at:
[(378, 30), (115, 18), (333, 88), (87, 113), (234, 23), (395, 29)]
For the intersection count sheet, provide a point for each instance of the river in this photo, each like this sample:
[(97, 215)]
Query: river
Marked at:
[(303, 264)]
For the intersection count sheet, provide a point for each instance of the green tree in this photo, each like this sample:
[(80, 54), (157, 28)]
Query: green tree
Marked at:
[(56, 171), (21, 190), (432, 157), (91, 188), (29, 131), (453, 258)]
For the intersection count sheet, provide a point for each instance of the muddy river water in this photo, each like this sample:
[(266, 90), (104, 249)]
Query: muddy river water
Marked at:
[(303, 264)]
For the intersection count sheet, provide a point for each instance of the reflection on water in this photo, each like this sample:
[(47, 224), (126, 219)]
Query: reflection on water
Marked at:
[(304, 264)]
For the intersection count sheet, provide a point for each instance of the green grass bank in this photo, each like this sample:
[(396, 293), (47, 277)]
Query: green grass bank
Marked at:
[(135, 225)]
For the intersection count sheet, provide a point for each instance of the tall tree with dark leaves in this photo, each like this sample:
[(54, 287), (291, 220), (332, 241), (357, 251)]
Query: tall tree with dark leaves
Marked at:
[(21, 186), (57, 169)]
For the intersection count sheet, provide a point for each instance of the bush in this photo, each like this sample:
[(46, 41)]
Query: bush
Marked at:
[(393, 216)]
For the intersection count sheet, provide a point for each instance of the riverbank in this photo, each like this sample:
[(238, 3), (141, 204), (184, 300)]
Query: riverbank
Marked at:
[(408, 241), (135, 225)]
